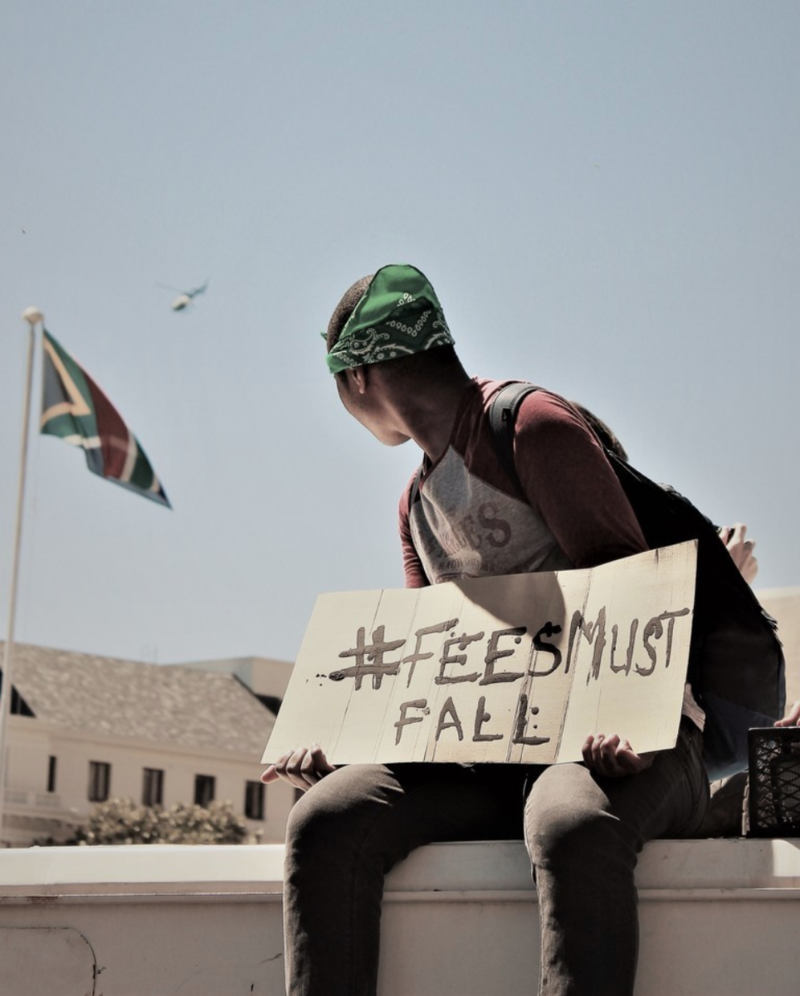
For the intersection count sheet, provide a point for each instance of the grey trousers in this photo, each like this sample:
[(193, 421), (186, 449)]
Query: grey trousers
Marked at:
[(583, 834)]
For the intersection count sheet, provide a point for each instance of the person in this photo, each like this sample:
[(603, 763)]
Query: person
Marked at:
[(398, 374), (741, 550)]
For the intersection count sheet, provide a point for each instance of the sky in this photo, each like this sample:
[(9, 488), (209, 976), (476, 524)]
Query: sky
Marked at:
[(605, 196)]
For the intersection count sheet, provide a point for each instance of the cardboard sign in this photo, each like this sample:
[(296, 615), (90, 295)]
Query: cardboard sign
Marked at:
[(504, 669)]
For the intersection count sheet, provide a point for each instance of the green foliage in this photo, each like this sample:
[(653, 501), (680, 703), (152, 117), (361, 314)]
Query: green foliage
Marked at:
[(121, 821)]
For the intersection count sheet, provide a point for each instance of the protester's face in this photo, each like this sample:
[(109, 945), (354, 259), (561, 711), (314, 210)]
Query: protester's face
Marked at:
[(365, 405)]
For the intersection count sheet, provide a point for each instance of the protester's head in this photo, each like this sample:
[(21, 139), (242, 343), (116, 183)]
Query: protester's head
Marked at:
[(345, 308), (602, 431), (392, 316), (391, 352)]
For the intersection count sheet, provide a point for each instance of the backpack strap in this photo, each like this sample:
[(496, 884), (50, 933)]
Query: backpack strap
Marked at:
[(503, 410), (413, 494)]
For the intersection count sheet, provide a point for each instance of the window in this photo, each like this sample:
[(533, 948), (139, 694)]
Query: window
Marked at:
[(99, 781), (254, 800), (153, 787), (204, 786), (51, 774), (19, 707)]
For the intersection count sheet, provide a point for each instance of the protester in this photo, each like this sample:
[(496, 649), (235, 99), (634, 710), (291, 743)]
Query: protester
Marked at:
[(397, 373)]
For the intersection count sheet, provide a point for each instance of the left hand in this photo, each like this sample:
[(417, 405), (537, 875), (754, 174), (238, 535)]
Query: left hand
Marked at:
[(613, 757), (302, 768)]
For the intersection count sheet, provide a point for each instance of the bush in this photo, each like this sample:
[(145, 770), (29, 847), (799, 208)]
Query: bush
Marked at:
[(121, 821)]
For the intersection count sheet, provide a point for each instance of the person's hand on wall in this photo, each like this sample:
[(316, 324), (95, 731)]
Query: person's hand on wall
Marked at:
[(792, 717)]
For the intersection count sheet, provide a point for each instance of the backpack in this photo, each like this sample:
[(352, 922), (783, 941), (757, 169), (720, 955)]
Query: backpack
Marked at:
[(736, 664)]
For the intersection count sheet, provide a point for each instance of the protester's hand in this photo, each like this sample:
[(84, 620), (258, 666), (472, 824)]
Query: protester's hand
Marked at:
[(741, 550), (614, 758), (302, 768), (792, 717)]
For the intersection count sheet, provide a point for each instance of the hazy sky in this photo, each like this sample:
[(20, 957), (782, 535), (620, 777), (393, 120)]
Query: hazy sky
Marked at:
[(604, 194)]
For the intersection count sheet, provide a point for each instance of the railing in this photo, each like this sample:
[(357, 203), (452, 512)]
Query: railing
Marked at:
[(36, 800)]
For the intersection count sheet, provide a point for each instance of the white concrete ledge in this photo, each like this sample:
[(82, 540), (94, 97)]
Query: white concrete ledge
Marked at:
[(474, 866), (717, 917), (148, 868)]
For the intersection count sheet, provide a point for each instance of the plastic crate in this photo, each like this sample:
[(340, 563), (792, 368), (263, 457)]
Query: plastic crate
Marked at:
[(774, 803)]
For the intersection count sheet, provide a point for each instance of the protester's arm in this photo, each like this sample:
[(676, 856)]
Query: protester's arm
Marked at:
[(302, 768), (567, 478), (413, 570), (741, 550)]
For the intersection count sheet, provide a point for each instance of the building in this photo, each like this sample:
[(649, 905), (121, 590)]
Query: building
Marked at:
[(86, 728)]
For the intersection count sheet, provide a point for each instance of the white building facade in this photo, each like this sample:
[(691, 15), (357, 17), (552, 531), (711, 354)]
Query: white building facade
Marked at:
[(87, 729)]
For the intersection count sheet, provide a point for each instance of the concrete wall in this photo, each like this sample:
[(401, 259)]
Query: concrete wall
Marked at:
[(718, 918)]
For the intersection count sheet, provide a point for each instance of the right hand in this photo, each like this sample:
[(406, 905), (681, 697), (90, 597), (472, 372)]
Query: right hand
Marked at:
[(302, 768), (613, 757)]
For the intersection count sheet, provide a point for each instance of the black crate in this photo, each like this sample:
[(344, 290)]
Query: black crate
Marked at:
[(774, 804)]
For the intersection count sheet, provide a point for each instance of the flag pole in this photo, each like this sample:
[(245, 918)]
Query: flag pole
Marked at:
[(33, 317)]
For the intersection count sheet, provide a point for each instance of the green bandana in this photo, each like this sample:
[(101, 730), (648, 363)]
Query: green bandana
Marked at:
[(399, 314)]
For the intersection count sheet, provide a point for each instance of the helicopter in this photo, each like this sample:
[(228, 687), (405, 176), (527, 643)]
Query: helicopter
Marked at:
[(184, 298)]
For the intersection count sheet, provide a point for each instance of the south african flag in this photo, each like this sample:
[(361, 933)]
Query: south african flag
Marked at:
[(75, 409)]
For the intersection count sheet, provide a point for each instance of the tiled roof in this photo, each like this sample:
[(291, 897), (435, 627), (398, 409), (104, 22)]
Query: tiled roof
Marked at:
[(178, 705)]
